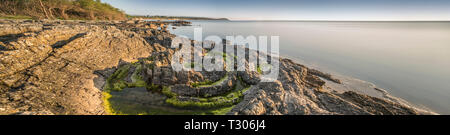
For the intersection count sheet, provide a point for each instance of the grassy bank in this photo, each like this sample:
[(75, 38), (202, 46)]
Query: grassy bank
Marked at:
[(59, 9)]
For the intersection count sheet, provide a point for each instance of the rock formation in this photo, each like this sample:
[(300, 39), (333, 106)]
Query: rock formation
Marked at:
[(87, 67)]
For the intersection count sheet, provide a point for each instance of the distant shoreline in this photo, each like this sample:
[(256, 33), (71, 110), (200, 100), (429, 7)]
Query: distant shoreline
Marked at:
[(332, 21), (173, 18)]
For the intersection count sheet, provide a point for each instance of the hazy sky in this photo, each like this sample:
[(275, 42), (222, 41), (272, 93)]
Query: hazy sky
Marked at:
[(292, 9)]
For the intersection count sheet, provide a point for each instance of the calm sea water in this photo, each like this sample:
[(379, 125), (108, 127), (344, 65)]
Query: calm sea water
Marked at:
[(411, 60)]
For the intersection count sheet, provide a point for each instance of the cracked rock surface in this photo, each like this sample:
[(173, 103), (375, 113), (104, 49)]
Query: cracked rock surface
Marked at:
[(60, 67), (299, 92), (51, 70)]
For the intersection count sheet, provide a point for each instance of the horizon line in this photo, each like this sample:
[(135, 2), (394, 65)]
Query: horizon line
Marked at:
[(348, 20), (305, 20)]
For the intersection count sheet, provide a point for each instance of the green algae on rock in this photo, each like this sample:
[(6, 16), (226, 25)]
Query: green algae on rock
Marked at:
[(48, 68), (126, 92)]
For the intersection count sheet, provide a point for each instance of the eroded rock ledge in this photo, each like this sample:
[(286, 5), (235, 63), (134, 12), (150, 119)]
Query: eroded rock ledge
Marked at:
[(66, 67)]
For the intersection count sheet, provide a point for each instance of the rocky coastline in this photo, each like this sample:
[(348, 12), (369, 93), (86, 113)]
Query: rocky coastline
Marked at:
[(55, 67)]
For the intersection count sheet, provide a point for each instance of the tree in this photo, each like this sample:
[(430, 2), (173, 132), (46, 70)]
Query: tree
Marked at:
[(44, 9), (61, 5), (88, 5), (66, 9), (65, 4)]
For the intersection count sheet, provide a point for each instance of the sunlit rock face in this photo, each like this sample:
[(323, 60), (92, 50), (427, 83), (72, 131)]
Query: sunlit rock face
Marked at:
[(87, 67)]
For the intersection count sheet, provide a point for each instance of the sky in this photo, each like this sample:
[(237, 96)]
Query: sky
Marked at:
[(291, 9)]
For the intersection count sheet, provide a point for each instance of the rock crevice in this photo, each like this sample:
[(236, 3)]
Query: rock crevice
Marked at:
[(91, 67)]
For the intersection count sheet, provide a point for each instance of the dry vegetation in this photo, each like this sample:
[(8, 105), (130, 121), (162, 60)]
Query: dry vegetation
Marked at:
[(60, 9)]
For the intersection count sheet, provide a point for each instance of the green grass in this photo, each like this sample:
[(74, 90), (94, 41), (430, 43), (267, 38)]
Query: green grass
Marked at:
[(198, 104), (113, 106), (121, 108), (221, 80), (168, 92), (222, 111), (205, 83), (115, 81), (79, 9), (153, 87), (137, 80), (226, 100), (217, 105), (208, 83)]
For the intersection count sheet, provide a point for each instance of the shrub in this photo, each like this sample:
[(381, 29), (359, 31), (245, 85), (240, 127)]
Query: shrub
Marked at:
[(61, 9)]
